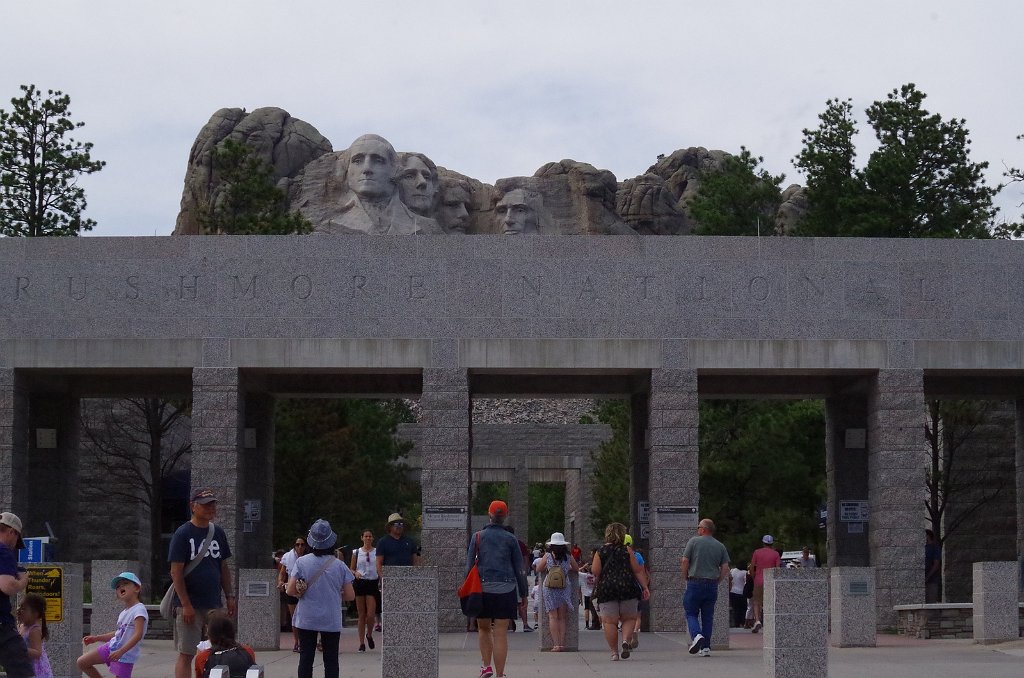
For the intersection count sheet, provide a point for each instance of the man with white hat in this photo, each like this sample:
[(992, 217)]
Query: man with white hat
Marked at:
[(394, 548), (13, 579), (764, 558)]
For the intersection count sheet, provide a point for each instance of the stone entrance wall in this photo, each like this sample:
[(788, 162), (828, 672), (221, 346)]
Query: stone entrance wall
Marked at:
[(872, 324)]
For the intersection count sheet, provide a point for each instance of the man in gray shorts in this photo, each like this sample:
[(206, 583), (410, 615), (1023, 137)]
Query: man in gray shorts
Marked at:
[(200, 592)]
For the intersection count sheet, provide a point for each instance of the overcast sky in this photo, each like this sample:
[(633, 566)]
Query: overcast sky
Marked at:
[(498, 89)]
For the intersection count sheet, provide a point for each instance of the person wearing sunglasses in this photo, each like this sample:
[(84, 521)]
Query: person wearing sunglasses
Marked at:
[(287, 565), (394, 548), (364, 565)]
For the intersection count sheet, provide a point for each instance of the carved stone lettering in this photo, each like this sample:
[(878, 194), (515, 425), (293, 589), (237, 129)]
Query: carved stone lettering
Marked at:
[(702, 289), (188, 291), (872, 291), (819, 289), (533, 286), (79, 291), (642, 279), (922, 292), (238, 290), (587, 291), (416, 289), (21, 287), (358, 283), (759, 288), (302, 286), (132, 282)]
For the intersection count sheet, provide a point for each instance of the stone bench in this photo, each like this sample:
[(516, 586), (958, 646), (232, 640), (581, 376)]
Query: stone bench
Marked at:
[(940, 620)]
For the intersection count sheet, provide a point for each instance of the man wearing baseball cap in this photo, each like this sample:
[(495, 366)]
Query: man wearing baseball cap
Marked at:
[(199, 592), (500, 563), (764, 558), (13, 579)]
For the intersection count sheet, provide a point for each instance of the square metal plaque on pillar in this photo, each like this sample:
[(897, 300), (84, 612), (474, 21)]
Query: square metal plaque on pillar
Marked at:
[(441, 517), (676, 517)]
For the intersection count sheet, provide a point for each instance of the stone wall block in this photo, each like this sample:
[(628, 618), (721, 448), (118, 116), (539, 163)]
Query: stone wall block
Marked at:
[(669, 379), (259, 608), (445, 400), (444, 379), (996, 610)]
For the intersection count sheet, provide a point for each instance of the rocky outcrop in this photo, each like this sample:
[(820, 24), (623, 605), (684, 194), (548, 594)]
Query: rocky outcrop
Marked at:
[(792, 209), (285, 143)]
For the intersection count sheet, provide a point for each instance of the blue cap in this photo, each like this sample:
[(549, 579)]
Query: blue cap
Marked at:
[(127, 576)]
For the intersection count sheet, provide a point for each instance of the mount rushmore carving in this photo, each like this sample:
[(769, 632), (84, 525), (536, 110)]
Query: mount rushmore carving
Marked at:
[(370, 188)]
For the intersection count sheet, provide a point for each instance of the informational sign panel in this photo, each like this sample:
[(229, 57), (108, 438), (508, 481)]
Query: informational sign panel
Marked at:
[(257, 589), (858, 587), (643, 511), (853, 511), (676, 517), (48, 582), (441, 517)]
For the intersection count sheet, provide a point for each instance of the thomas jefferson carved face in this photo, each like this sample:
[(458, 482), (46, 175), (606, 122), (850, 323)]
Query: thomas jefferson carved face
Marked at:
[(417, 184), (516, 215), (371, 167)]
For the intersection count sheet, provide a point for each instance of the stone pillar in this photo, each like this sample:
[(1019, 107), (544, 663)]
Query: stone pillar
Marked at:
[(639, 490), (723, 615), (672, 439), (105, 605), (216, 439), (65, 643), (573, 511), (1019, 486), (897, 458), (996, 610), (846, 472), (13, 443), (519, 500), (256, 469), (410, 620), (445, 482), (853, 606), (796, 622), (259, 608), (53, 483)]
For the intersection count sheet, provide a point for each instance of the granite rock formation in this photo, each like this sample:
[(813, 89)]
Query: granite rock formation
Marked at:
[(285, 143), (370, 188)]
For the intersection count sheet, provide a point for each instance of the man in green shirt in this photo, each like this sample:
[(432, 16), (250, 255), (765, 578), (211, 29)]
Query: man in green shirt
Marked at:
[(704, 564)]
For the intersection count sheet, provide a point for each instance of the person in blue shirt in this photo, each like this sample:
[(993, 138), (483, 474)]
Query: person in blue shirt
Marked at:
[(13, 580)]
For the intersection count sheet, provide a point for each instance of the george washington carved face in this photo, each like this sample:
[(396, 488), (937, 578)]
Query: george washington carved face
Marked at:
[(372, 167)]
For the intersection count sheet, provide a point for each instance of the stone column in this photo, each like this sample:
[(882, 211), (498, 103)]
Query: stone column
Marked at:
[(573, 511), (897, 458), (256, 469), (1019, 485), (796, 622), (259, 608), (853, 606), (519, 499), (445, 482), (723, 616), (996, 610), (672, 439), (65, 643), (53, 482), (13, 443), (216, 439), (846, 472), (410, 620), (105, 605)]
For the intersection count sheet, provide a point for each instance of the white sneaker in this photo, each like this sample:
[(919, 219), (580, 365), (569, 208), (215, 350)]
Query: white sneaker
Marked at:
[(695, 645), (705, 652), (757, 627)]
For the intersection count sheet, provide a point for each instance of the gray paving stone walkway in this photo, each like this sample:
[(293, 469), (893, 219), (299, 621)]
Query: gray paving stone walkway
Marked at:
[(660, 655)]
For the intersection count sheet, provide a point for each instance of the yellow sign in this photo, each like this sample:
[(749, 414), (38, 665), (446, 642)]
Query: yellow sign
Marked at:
[(48, 582)]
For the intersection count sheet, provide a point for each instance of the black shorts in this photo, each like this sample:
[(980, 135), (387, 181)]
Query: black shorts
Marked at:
[(500, 606), (288, 600), (366, 587)]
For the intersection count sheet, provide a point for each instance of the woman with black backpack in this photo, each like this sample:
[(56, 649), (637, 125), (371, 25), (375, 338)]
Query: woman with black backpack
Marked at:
[(621, 584)]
